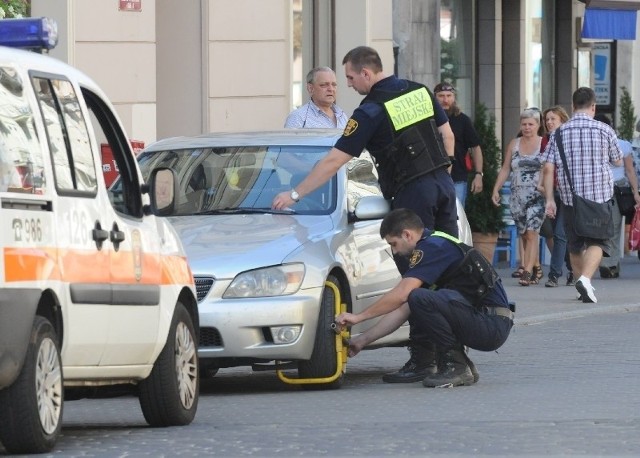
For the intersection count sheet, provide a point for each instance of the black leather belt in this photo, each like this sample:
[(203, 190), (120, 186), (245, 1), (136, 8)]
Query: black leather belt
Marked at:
[(500, 311)]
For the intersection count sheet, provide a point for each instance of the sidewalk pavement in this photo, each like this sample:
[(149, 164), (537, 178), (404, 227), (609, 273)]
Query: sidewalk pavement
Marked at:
[(537, 303)]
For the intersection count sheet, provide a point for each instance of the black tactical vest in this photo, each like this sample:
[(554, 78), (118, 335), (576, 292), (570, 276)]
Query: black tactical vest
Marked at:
[(474, 277), (417, 146)]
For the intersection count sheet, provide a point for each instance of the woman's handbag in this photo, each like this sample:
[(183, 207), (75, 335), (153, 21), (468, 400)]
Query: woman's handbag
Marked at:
[(634, 232), (625, 199), (591, 219)]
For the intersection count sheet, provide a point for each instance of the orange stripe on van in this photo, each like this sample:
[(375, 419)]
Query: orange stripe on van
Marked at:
[(29, 264), (78, 266)]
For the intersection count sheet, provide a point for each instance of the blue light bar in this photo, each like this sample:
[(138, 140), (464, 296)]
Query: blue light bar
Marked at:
[(29, 33)]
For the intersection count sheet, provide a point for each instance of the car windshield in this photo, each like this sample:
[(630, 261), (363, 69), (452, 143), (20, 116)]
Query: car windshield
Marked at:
[(241, 179)]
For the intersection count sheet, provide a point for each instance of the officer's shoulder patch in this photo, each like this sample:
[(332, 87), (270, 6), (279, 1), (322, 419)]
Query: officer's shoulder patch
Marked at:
[(351, 127), (415, 258)]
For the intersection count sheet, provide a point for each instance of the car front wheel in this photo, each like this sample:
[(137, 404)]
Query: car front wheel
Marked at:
[(323, 362), (31, 408), (169, 396)]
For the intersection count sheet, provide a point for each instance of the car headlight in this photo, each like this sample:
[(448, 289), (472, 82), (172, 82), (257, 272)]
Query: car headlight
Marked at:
[(269, 281)]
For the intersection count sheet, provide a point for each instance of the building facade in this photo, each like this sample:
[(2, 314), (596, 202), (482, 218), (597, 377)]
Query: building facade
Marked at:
[(188, 67)]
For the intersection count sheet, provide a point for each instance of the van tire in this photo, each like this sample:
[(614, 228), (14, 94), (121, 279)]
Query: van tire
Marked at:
[(323, 362), (24, 427), (169, 396)]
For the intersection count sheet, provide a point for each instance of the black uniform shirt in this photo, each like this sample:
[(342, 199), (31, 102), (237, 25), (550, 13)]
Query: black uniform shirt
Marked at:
[(369, 128)]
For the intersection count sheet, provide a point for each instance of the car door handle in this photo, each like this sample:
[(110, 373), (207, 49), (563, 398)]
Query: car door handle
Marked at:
[(116, 236), (99, 235)]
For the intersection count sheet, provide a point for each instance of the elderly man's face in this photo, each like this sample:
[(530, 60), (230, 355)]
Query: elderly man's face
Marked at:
[(324, 88)]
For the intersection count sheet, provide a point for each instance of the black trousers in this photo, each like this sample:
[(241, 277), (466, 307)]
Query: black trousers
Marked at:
[(447, 319)]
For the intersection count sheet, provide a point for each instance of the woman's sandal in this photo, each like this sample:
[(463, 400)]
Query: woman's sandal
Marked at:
[(525, 278), (537, 273), (518, 272)]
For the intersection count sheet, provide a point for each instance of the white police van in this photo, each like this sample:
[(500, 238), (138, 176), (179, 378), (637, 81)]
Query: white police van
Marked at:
[(95, 291)]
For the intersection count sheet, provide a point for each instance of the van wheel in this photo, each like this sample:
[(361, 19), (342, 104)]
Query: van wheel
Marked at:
[(323, 362), (32, 406), (169, 396)]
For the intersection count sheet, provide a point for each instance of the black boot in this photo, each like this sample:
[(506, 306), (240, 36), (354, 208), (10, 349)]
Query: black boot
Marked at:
[(453, 369), (422, 362)]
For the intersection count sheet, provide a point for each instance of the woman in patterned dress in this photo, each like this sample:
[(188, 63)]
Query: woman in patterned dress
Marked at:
[(522, 161)]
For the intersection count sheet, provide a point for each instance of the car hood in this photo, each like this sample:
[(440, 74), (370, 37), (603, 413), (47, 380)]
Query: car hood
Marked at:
[(224, 245)]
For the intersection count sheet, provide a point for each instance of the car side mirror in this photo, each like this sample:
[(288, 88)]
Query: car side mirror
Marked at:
[(370, 207), (163, 189)]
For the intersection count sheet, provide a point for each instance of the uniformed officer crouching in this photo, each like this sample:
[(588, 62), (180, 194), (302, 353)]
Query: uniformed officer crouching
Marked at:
[(453, 294)]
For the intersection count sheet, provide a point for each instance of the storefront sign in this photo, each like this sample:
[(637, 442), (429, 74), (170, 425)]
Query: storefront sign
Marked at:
[(602, 73), (130, 5)]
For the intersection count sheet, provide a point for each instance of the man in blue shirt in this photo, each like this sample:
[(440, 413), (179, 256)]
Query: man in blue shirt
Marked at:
[(451, 306), (321, 110)]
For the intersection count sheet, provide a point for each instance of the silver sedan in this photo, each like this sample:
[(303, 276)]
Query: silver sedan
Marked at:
[(261, 275)]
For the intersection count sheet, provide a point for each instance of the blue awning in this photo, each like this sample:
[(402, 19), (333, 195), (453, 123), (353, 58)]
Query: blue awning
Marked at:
[(609, 24)]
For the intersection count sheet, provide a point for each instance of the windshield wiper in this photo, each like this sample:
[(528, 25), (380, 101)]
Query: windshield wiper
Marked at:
[(242, 210)]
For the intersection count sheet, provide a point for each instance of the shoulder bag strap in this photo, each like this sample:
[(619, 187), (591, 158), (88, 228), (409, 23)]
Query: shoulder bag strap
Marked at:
[(564, 159)]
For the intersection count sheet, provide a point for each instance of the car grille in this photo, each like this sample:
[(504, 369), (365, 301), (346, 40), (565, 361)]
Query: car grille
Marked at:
[(210, 337), (203, 285)]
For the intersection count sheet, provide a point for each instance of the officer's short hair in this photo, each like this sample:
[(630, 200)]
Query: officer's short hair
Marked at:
[(399, 220), (363, 56)]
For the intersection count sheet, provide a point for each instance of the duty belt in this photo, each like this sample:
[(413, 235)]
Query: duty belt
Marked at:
[(500, 311)]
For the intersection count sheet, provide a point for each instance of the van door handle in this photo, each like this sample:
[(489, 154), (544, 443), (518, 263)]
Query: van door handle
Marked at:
[(116, 236), (99, 235)]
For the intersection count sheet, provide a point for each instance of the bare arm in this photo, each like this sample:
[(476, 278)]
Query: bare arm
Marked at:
[(447, 138), (387, 324), (548, 171), (323, 170), (503, 174), (476, 156), (386, 304)]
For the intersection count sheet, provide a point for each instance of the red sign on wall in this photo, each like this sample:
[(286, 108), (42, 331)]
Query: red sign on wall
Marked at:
[(130, 5)]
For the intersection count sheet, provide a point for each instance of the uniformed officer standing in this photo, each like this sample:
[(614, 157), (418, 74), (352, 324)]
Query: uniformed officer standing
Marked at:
[(453, 303), (407, 133)]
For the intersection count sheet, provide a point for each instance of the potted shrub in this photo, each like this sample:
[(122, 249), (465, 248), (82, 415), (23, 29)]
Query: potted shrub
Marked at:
[(485, 219)]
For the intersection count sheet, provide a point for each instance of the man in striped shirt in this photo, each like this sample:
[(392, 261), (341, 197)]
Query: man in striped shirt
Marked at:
[(589, 147)]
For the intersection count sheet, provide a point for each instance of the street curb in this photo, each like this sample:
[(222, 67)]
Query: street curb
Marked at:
[(537, 319)]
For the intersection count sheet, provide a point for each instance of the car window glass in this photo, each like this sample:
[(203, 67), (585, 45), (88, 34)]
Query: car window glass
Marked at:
[(230, 177), (21, 160), (362, 179), (78, 136), (67, 135)]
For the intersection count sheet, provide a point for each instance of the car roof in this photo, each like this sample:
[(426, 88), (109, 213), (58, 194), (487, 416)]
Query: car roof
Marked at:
[(284, 137)]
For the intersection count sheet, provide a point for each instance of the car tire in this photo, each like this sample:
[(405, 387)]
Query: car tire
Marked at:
[(32, 406), (323, 362), (169, 396)]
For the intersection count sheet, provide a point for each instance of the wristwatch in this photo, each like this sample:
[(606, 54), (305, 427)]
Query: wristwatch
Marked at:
[(295, 196), (478, 173)]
